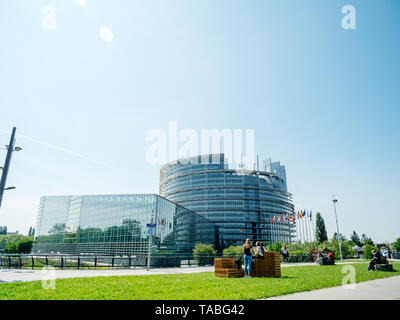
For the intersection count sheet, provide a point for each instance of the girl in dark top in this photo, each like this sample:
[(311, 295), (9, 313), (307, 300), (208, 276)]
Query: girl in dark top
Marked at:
[(248, 257)]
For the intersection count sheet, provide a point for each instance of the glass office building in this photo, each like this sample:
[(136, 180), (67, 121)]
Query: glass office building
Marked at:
[(118, 225), (241, 203)]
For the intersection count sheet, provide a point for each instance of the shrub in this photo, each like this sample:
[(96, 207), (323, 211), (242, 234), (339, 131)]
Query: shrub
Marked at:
[(277, 247), (11, 248), (396, 245), (234, 252), (204, 253), (6, 239), (25, 245), (18, 245), (368, 251)]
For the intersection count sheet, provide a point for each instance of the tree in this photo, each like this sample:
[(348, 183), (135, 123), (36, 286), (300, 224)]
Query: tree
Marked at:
[(356, 239), (321, 234), (366, 240), (396, 245), (25, 245), (11, 248)]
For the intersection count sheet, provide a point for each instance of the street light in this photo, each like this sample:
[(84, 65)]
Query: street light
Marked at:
[(9, 188), (10, 149), (337, 228)]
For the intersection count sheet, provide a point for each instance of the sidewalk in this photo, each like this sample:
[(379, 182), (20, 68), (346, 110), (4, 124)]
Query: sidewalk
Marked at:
[(16, 275), (380, 289)]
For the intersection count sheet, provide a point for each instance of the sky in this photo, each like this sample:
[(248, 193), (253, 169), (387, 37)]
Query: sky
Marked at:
[(85, 82)]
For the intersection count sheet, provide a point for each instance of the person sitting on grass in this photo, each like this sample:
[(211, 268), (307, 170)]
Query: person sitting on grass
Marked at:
[(331, 256), (248, 258), (376, 259), (320, 257)]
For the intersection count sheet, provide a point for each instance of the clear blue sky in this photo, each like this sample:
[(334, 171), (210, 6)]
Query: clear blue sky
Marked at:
[(322, 100)]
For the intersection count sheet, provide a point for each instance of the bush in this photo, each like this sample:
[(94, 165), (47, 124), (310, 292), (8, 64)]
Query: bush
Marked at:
[(11, 248), (277, 247), (368, 251), (19, 245), (25, 245), (204, 254), (396, 245), (299, 256), (6, 239), (234, 252)]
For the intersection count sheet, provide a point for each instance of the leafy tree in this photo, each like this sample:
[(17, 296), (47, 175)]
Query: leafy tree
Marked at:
[(342, 237), (366, 240), (11, 248), (356, 239), (25, 245), (204, 253), (396, 245), (5, 239), (321, 234)]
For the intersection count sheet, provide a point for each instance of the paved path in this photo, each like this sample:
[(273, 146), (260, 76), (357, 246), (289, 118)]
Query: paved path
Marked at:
[(381, 289), (15, 275)]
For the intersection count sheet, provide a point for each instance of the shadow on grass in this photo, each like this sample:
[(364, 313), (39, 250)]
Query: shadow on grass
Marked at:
[(288, 277)]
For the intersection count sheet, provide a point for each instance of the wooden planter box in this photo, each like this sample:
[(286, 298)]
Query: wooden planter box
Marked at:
[(269, 266), (225, 268)]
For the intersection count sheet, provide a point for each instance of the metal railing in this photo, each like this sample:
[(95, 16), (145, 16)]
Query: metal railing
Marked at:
[(61, 261)]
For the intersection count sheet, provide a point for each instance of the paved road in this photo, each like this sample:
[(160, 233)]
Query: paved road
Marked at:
[(15, 275), (381, 289)]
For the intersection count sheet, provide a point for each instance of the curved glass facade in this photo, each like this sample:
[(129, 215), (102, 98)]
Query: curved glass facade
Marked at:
[(239, 202), (117, 225)]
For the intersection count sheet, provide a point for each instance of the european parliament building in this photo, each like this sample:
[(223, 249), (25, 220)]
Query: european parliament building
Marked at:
[(241, 203), (201, 201), (118, 225)]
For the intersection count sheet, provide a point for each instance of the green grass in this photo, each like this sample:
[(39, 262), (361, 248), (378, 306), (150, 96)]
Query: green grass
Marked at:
[(192, 286)]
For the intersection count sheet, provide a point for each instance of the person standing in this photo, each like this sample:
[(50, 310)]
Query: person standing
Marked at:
[(248, 258), (285, 253)]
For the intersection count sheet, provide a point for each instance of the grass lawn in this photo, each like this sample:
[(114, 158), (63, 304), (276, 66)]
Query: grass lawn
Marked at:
[(195, 286)]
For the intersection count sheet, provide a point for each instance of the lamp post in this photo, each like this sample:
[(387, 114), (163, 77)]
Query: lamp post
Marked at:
[(337, 228), (10, 148), (150, 226)]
